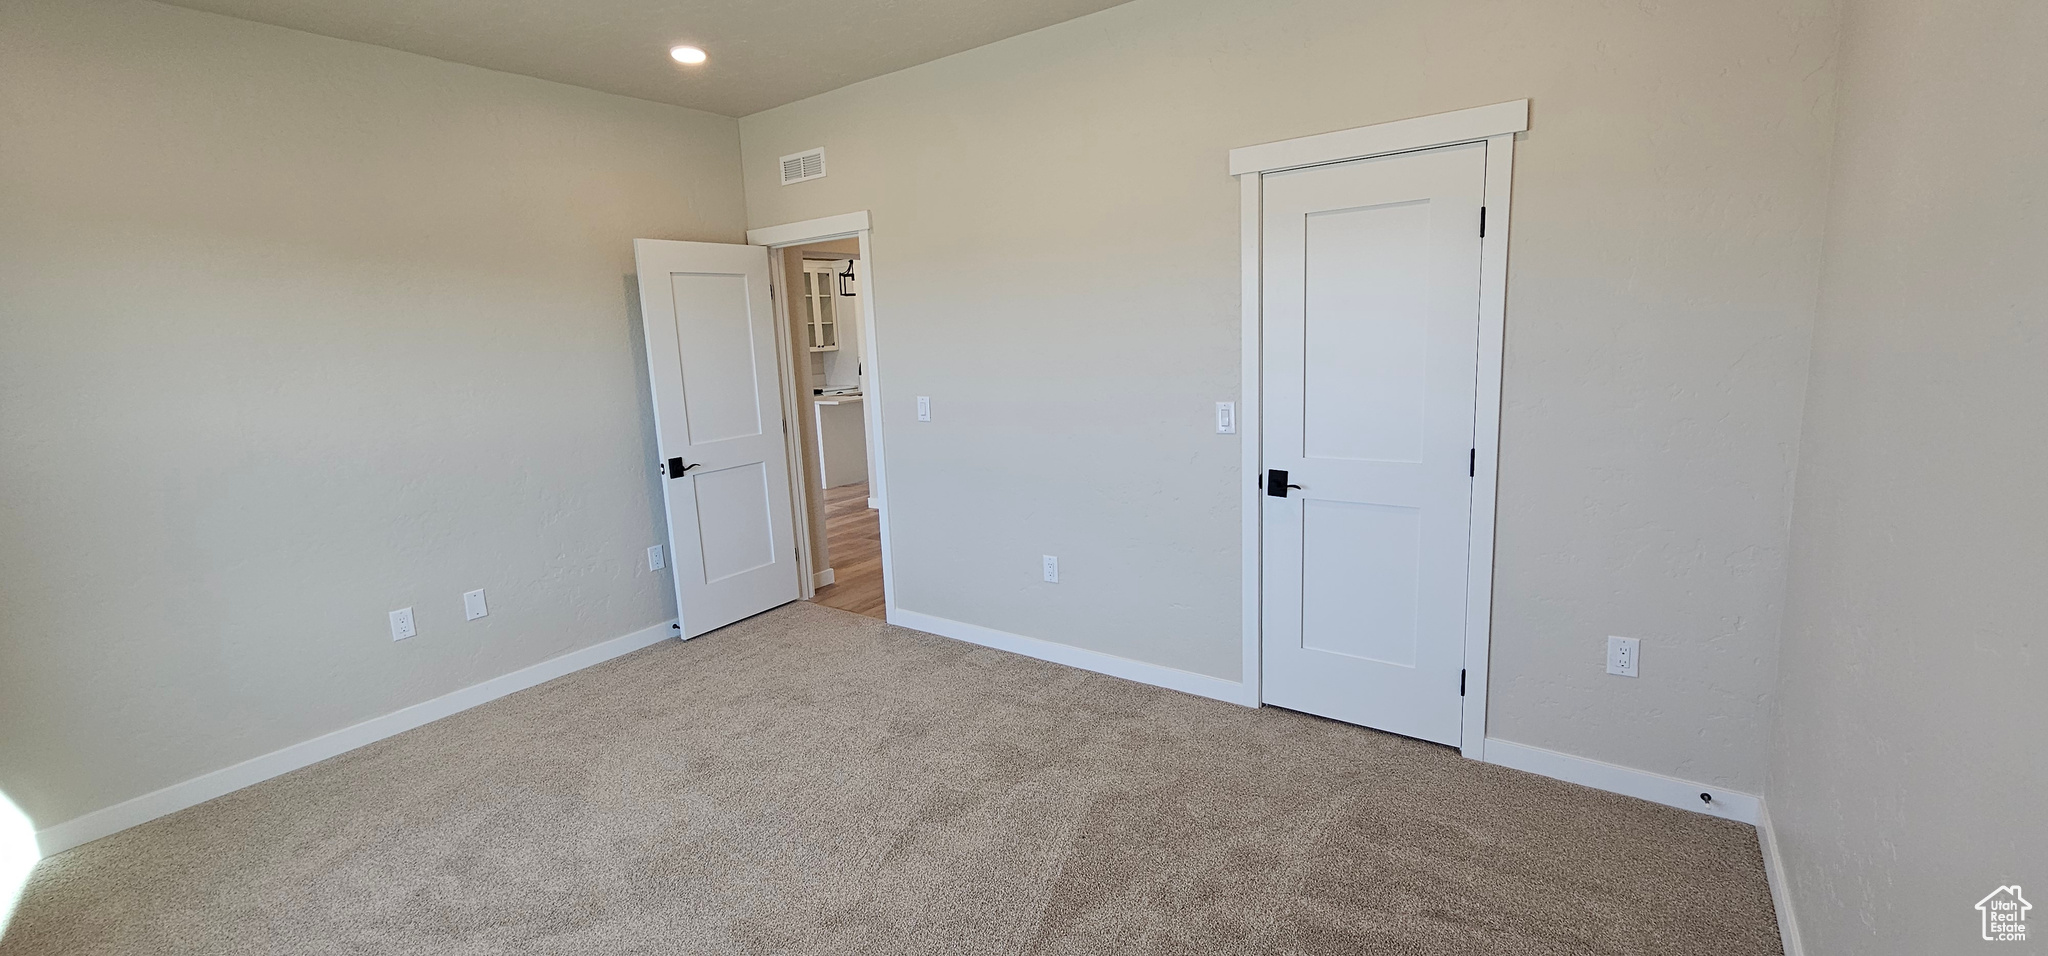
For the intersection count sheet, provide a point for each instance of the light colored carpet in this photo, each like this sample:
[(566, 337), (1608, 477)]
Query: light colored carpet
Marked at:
[(813, 781)]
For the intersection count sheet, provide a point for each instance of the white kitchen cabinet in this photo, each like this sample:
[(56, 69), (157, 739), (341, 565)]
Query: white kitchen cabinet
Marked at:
[(821, 304), (842, 440)]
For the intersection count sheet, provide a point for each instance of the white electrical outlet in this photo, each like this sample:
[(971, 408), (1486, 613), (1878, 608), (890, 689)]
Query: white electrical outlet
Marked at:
[(1226, 418), (924, 408), (655, 561), (473, 605), (401, 624), (1622, 654), (1052, 568)]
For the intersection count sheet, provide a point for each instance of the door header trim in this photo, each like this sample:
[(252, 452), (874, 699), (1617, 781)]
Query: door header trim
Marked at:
[(809, 230), (1421, 132)]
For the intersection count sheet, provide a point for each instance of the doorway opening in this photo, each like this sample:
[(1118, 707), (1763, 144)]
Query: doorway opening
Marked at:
[(732, 412), (825, 312)]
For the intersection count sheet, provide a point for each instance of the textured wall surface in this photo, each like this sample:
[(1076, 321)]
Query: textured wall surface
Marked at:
[(293, 332), (1056, 265), (1906, 769)]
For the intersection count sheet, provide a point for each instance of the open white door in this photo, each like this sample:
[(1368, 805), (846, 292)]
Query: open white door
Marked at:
[(1371, 285), (711, 356)]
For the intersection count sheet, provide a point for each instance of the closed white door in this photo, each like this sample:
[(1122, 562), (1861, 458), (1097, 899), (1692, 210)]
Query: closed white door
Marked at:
[(711, 356), (1371, 322)]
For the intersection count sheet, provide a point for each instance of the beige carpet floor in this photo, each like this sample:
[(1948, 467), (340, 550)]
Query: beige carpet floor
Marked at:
[(814, 781)]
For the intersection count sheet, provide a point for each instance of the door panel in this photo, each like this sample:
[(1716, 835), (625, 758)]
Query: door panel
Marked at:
[(1371, 320), (711, 357), (735, 522), (1367, 332), (716, 349), (1360, 580)]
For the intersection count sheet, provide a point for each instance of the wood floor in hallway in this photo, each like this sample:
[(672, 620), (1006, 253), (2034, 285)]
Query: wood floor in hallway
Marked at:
[(853, 539)]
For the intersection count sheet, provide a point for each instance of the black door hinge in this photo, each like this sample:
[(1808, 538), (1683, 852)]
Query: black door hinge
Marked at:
[(1461, 682), (1472, 464), (1482, 222)]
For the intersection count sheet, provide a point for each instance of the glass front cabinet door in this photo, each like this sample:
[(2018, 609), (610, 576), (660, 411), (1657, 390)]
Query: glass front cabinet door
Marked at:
[(820, 301)]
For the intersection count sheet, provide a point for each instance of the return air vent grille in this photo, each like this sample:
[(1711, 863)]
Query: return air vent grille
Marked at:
[(798, 167)]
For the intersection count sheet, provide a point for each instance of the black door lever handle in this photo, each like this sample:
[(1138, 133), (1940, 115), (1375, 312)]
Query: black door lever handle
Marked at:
[(676, 468), (1276, 482)]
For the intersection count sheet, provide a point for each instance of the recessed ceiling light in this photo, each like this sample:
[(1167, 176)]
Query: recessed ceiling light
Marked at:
[(686, 54)]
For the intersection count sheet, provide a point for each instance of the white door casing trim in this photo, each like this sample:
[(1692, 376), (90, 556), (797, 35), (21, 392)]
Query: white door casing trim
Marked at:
[(845, 225), (1250, 433), (1496, 126), (799, 490), (1379, 139), (1493, 304), (809, 230)]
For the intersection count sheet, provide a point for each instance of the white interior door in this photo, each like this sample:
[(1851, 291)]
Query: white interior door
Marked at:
[(712, 359), (1371, 322)]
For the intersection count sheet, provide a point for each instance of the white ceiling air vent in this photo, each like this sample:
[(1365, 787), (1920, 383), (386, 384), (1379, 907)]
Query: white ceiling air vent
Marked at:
[(798, 167)]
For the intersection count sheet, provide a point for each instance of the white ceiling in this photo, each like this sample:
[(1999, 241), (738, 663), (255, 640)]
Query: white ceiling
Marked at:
[(764, 53)]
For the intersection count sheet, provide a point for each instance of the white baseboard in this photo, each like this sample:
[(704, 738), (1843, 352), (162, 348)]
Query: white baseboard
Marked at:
[(821, 578), (1641, 784), (1781, 891), (63, 836), (1187, 682), (874, 504)]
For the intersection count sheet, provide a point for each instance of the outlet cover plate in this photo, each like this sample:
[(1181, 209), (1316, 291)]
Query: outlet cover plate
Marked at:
[(1623, 655), (473, 605), (401, 624)]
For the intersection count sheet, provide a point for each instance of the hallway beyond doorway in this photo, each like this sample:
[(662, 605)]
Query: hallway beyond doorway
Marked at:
[(853, 535)]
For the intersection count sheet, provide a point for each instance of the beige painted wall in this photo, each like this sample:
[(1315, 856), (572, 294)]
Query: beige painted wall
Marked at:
[(1055, 263), (1906, 773), (293, 332)]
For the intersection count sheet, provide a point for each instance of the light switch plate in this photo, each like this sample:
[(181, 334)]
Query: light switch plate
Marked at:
[(1226, 418), (473, 605), (1622, 655), (401, 624), (924, 408), (655, 561)]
